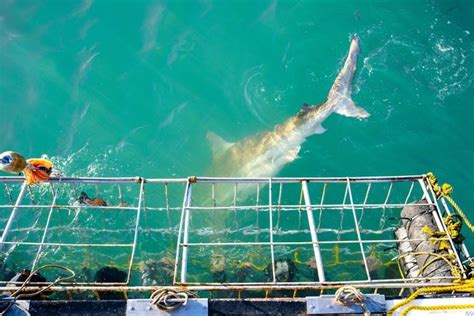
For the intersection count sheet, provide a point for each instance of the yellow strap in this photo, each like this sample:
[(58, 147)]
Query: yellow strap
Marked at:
[(436, 308), (465, 286)]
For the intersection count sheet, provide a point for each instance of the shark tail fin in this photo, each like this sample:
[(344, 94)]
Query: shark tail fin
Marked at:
[(350, 109)]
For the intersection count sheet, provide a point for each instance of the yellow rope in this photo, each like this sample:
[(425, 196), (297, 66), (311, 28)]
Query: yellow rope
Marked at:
[(436, 308), (465, 286), (454, 269), (460, 212), (454, 228), (258, 268), (296, 257), (336, 254), (445, 191)]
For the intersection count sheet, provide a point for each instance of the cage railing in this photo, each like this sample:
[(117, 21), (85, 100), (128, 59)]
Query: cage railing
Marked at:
[(15, 200)]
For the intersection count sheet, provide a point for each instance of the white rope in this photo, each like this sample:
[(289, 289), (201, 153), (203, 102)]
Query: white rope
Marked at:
[(349, 295), (169, 299)]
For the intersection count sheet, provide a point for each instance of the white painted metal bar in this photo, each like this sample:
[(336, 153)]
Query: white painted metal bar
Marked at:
[(178, 243), (234, 203), (8, 192), (323, 195), (280, 192), (326, 242), (257, 207), (319, 285), (384, 207), (61, 244), (341, 222), (270, 213), (167, 200), (258, 194), (242, 287), (311, 179), (409, 193), (135, 234), (314, 237), (288, 207), (213, 195), (8, 226), (119, 188), (351, 199), (186, 210), (369, 186), (46, 227), (67, 206)]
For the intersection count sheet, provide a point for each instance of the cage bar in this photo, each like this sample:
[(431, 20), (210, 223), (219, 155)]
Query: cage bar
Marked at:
[(314, 237)]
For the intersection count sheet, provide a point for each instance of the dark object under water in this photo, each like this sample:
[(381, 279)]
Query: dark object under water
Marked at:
[(244, 273), (219, 276), (110, 275), (35, 278), (6, 273), (285, 270), (156, 272), (85, 199)]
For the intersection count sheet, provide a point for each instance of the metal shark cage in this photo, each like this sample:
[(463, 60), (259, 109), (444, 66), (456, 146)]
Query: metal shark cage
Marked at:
[(338, 230)]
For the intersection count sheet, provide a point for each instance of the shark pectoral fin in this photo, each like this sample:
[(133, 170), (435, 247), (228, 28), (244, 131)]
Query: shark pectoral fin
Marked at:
[(320, 130), (350, 109), (292, 154), (218, 144)]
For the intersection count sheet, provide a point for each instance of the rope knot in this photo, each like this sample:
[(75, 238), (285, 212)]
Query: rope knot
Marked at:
[(349, 295), (446, 189), (170, 299)]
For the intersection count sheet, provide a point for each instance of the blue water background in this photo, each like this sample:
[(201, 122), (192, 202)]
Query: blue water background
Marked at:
[(127, 88)]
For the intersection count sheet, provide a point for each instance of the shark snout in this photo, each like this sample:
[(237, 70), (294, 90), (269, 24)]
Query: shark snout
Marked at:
[(355, 39), (355, 44)]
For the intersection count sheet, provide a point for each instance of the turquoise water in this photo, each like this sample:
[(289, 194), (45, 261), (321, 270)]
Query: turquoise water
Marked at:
[(126, 88)]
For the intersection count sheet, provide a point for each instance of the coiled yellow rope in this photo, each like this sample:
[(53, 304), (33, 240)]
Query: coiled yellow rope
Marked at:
[(436, 308), (463, 286)]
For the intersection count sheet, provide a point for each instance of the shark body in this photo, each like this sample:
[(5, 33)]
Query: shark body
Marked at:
[(266, 153)]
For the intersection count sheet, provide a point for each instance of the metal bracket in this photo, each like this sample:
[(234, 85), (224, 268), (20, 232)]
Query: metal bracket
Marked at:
[(144, 307)]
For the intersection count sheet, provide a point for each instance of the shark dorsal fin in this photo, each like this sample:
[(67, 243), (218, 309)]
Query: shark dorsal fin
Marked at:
[(304, 109), (218, 144)]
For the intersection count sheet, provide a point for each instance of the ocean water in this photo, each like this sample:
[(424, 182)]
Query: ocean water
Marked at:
[(131, 88)]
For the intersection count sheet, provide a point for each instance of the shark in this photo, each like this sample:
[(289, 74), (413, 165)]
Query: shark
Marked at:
[(266, 153)]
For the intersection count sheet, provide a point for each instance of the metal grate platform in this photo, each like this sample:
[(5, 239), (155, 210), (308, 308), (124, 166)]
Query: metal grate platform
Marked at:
[(337, 230)]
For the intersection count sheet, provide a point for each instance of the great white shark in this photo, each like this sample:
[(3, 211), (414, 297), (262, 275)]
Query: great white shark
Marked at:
[(266, 153)]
